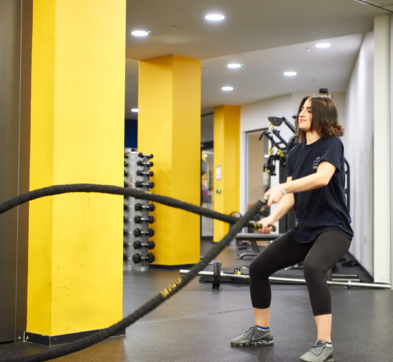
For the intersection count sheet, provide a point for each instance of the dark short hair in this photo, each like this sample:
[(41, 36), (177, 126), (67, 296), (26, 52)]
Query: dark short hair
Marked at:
[(324, 118)]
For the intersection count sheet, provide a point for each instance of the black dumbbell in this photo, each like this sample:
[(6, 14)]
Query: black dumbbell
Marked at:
[(126, 207), (137, 258), (147, 184), (126, 155), (138, 219), (126, 173), (138, 244), (139, 232), (125, 232), (143, 173), (125, 184), (125, 257), (149, 207), (125, 163), (125, 244), (141, 155), (141, 163)]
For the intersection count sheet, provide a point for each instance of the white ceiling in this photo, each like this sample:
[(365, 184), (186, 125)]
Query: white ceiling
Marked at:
[(267, 36)]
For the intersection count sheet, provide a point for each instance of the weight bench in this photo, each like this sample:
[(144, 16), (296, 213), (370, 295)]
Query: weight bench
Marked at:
[(254, 237)]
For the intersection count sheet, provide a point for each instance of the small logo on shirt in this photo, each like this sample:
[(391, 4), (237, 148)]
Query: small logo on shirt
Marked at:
[(316, 163)]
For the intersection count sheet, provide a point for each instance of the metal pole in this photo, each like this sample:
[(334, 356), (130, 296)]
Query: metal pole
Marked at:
[(348, 283)]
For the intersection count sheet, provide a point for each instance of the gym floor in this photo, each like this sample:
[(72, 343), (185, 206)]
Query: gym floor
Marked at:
[(198, 323)]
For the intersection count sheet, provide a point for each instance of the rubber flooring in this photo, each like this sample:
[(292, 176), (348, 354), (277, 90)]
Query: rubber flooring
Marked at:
[(198, 323)]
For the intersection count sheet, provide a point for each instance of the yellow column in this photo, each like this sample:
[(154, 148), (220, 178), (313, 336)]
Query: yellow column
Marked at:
[(226, 162), (169, 127), (77, 136)]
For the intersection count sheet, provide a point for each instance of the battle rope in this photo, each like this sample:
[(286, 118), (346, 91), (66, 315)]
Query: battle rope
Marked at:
[(159, 298), (116, 190)]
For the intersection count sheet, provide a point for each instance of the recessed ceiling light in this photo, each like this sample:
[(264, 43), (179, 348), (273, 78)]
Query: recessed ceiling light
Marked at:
[(290, 74), (322, 45), (227, 88), (214, 17), (140, 33), (234, 65), (135, 110)]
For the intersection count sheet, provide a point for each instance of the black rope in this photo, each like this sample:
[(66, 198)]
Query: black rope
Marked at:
[(159, 298), (115, 190)]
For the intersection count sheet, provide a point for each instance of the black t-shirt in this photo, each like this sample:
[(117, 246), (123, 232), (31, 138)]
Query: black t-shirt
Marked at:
[(324, 208)]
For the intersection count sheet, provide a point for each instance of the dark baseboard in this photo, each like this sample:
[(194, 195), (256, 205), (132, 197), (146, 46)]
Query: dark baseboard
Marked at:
[(62, 338), (171, 267), (206, 238)]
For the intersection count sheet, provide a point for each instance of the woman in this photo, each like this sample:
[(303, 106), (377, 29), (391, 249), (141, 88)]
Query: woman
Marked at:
[(315, 185)]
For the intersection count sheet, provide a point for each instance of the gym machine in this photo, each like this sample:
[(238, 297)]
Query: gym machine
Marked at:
[(137, 220)]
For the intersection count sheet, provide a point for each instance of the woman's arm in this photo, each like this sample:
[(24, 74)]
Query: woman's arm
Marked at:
[(321, 178), (282, 208)]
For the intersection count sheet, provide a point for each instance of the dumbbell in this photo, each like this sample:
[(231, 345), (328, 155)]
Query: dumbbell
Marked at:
[(126, 207), (147, 184), (143, 173), (126, 155), (125, 184), (137, 258), (141, 163), (139, 207), (138, 244), (138, 219), (139, 232), (125, 163), (126, 173), (141, 155)]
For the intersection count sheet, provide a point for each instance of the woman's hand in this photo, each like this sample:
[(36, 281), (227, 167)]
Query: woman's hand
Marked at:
[(275, 195), (265, 225)]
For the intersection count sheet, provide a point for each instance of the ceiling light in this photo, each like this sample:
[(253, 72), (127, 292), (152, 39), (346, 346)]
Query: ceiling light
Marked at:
[(140, 33), (290, 74), (135, 110), (227, 89), (234, 65), (322, 45), (214, 17)]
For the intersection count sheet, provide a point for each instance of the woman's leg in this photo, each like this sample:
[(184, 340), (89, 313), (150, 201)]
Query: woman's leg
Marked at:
[(327, 249), (281, 253)]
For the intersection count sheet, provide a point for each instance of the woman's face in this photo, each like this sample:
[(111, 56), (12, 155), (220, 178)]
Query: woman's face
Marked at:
[(305, 116)]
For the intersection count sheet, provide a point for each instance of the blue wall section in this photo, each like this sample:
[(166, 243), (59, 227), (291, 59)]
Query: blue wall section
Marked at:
[(131, 133)]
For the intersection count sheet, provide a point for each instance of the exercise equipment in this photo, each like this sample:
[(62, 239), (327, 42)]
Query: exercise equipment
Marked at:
[(216, 275), (141, 155), (137, 174), (142, 173), (138, 244), (140, 184), (149, 207), (139, 232), (142, 163), (137, 258), (139, 219)]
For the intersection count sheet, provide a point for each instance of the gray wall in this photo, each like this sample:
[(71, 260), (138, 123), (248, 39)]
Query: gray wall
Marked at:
[(15, 65)]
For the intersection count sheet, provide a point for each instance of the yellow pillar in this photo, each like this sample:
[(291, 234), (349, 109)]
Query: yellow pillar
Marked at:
[(77, 136), (226, 165), (169, 127)]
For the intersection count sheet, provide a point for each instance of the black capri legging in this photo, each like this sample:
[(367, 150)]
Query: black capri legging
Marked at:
[(319, 256)]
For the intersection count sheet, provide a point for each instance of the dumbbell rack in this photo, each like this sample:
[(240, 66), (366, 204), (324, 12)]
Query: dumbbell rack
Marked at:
[(136, 213)]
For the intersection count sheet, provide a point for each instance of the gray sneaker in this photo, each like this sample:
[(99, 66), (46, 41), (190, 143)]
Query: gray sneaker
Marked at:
[(253, 336), (319, 352)]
